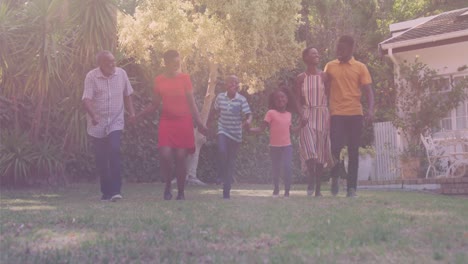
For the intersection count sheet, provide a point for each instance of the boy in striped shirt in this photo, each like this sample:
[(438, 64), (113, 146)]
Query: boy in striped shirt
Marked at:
[(233, 114)]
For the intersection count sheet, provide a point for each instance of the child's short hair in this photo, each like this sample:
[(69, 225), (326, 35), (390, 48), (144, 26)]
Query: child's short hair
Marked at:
[(271, 98), (170, 54)]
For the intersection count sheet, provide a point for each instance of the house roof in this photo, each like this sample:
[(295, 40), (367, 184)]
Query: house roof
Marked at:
[(449, 25)]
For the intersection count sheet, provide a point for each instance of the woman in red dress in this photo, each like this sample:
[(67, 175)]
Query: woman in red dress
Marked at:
[(175, 136)]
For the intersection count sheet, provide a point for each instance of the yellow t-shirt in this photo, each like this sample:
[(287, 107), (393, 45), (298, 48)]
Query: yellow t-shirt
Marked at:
[(346, 80)]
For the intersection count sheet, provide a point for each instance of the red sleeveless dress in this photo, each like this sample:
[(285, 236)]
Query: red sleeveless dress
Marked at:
[(175, 124)]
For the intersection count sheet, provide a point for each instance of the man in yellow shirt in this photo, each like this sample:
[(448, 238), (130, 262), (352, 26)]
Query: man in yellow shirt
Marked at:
[(347, 77)]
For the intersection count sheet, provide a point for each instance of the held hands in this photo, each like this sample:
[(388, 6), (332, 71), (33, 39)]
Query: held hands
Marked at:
[(132, 120), (246, 124), (296, 129), (94, 120), (203, 130), (254, 130), (369, 117), (303, 122)]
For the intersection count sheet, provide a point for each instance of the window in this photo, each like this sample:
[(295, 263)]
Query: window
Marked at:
[(461, 113), (443, 83), (457, 118)]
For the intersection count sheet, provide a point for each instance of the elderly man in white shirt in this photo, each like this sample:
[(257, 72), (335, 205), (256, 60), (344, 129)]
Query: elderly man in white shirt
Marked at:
[(106, 91)]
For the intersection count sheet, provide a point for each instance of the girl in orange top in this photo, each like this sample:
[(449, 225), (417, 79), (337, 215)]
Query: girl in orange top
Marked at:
[(175, 136), (278, 118)]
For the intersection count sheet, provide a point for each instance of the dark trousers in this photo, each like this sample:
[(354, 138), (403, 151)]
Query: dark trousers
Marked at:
[(281, 159), (346, 131), (108, 163), (227, 151)]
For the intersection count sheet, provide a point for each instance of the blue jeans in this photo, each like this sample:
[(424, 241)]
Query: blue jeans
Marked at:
[(108, 163), (281, 160), (227, 151)]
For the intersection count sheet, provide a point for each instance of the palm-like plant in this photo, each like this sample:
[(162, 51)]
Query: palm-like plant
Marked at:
[(16, 158), (43, 49), (93, 29), (11, 37), (46, 48), (45, 52)]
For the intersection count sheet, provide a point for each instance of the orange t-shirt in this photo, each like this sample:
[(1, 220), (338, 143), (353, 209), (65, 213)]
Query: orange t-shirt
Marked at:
[(279, 127), (346, 80)]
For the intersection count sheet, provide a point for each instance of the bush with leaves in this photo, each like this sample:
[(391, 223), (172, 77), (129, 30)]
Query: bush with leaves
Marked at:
[(25, 163), (16, 159), (422, 103)]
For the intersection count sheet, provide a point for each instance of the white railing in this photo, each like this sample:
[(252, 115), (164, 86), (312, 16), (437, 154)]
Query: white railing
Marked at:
[(386, 151)]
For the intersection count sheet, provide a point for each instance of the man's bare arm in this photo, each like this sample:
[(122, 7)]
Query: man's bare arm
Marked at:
[(370, 101), (89, 109)]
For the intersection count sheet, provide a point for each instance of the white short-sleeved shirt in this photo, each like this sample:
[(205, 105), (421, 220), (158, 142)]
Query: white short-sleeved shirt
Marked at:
[(107, 100)]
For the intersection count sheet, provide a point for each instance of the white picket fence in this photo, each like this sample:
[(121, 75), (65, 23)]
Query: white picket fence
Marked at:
[(387, 143)]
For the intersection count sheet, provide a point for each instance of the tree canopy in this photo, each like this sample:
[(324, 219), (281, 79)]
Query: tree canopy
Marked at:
[(47, 46), (252, 39)]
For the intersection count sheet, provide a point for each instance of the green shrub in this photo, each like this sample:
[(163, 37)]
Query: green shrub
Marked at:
[(24, 163), (16, 159), (48, 161), (81, 166)]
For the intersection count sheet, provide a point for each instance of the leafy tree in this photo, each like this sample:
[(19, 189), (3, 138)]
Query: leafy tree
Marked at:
[(47, 48), (251, 39), (423, 102)]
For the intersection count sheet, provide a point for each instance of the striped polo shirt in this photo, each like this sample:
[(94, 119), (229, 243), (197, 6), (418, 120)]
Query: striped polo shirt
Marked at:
[(231, 114)]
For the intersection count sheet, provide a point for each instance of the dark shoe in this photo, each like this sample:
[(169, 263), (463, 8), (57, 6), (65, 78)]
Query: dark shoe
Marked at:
[(167, 195), (180, 196), (335, 188), (105, 198), (351, 193), (115, 198), (226, 192), (317, 190), (311, 186)]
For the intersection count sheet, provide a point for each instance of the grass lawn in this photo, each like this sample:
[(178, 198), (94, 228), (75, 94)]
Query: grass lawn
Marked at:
[(71, 225)]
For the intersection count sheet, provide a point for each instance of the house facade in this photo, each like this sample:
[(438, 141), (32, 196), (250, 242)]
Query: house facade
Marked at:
[(441, 42)]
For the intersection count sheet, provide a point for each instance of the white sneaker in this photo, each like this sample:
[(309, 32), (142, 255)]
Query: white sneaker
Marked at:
[(115, 198), (194, 181)]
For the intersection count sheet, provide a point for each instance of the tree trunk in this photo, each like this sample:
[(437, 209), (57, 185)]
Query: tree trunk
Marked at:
[(192, 160)]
